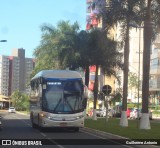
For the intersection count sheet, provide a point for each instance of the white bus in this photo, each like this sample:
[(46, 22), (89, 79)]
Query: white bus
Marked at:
[(57, 99)]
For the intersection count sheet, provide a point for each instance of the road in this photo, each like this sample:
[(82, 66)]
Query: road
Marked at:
[(17, 128)]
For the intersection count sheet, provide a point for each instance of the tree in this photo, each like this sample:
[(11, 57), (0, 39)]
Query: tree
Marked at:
[(133, 81), (139, 11), (20, 100), (49, 53), (122, 13), (63, 46), (145, 123), (76, 52), (150, 10), (105, 55)]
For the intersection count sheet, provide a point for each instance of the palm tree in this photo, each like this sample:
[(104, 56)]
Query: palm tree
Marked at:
[(91, 48), (78, 49), (122, 12), (53, 46), (103, 54), (151, 20), (150, 16)]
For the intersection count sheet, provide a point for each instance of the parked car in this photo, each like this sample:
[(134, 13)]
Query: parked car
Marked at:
[(99, 112), (102, 112), (136, 113), (11, 110)]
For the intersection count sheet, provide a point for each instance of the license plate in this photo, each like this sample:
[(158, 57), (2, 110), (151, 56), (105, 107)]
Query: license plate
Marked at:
[(63, 124)]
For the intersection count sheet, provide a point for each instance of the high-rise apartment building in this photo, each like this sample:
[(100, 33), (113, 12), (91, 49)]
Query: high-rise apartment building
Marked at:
[(4, 75), (15, 72)]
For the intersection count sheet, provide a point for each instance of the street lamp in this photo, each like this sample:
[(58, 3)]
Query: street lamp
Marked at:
[(139, 52)]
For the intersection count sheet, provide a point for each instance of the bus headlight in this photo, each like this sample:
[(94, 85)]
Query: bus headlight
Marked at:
[(42, 114), (78, 117)]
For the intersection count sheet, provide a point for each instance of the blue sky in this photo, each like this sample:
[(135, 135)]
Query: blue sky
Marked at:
[(20, 21)]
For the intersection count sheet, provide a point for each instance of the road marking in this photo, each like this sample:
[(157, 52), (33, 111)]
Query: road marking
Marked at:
[(50, 139), (54, 142), (93, 135), (43, 134)]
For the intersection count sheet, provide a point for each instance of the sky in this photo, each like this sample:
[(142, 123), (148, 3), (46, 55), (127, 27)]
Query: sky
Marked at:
[(20, 21)]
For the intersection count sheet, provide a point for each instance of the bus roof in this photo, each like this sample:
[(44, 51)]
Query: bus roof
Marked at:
[(57, 74)]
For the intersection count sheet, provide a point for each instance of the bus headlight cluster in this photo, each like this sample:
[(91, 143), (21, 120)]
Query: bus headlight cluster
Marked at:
[(80, 117)]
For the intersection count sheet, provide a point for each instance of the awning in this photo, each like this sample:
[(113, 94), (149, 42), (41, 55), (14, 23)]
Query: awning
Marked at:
[(4, 98)]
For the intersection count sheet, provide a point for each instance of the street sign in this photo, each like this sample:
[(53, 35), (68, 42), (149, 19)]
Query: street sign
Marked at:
[(106, 89)]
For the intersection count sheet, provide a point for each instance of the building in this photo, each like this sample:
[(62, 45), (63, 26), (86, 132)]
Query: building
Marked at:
[(93, 9), (4, 75), (29, 66), (20, 53), (15, 72), (154, 82)]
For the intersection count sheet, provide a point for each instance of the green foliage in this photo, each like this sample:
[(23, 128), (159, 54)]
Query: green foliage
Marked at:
[(117, 98), (56, 46), (132, 80), (20, 100), (133, 105), (157, 112), (131, 132), (122, 12)]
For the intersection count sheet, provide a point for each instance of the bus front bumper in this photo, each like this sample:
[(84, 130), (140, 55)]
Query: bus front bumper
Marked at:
[(45, 122)]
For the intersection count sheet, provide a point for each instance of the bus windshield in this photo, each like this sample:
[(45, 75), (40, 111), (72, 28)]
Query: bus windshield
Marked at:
[(63, 96)]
